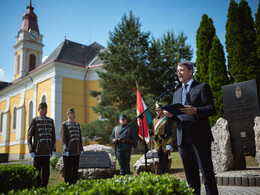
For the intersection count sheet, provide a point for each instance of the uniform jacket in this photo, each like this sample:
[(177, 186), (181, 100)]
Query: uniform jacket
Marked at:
[(164, 135), (70, 136), (124, 135), (41, 136), (195, 128)]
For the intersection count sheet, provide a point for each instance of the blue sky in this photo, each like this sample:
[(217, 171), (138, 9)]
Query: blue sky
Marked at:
[(88, 21)]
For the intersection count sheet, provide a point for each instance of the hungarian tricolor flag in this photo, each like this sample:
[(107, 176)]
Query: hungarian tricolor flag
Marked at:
[(140, 107)]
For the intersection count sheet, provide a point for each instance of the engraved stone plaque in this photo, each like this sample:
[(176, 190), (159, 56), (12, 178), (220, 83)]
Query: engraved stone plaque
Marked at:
[(91, 159), (241, 105)]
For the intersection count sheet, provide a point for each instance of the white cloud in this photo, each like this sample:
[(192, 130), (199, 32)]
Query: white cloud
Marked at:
[(3, 77)]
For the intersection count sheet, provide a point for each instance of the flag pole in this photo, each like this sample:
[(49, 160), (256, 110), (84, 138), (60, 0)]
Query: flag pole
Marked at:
[(168, 90), (141, 117), (154, 166), (145, 158)]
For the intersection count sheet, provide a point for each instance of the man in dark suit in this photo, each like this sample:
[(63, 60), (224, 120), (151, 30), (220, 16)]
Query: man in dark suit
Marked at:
[(194, 134)]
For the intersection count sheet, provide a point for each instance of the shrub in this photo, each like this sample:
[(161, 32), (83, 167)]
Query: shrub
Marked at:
[(17, 177), (145, 183), (53, 162)]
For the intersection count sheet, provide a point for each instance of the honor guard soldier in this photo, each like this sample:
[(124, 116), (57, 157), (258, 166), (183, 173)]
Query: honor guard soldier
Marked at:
[(71, 140), (42, 144)]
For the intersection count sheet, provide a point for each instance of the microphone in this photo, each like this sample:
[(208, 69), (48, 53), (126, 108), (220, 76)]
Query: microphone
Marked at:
[(171, 85)]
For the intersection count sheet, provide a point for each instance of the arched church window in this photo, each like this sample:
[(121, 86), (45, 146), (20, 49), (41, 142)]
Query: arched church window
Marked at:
[(32, 62), (18, 64), (30, 111), (14, 118), (44, 98)]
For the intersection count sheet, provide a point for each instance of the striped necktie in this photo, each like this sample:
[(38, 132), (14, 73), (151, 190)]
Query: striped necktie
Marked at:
[(184, 93)]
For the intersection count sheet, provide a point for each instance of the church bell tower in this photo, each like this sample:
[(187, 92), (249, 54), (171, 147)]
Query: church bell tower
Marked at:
[(28, 47)]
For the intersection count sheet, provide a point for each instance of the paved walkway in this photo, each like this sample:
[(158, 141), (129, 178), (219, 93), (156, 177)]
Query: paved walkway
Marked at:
[(242, 182), (235, 190)]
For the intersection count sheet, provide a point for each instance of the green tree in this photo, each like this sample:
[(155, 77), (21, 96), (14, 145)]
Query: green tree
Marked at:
[(234, 42), (204, 38), (163, 56), (217, 77), (250, 65), (132, 57), (257, 29), (97, 130), (126, 62)]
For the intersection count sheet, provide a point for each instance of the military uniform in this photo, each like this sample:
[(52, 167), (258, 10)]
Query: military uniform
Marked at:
[(162, 130), (71, 140), (42, 144), (125, 141)]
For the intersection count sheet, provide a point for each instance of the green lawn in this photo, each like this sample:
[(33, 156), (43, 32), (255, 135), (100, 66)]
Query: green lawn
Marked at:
[(176, 168)]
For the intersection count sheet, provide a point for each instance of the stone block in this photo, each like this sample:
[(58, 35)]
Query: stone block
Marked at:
[(220, 181), (238, 181), (251, 181), (245, 181), (222, 157), (257, 180), (225, 181), (231, 181)]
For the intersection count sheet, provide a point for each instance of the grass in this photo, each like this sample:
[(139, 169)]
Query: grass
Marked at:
[(176, 167), (251, 161)]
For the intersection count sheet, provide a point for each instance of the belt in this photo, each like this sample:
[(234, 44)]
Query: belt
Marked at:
[(128, 141)]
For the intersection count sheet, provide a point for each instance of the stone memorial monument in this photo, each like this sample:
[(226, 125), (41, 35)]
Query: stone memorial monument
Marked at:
[(152, 163), (241, 106), (97, 161)]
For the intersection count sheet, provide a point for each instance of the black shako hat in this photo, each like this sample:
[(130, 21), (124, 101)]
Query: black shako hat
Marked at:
[(42, 105), (70, 110)]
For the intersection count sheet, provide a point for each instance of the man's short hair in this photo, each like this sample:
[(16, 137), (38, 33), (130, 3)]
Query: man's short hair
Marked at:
[(42, 105), (187, 64)]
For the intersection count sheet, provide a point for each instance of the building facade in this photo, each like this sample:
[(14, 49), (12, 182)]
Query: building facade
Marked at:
[(63, 80)]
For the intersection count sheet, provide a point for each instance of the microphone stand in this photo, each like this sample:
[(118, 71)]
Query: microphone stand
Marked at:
[(142, 117)]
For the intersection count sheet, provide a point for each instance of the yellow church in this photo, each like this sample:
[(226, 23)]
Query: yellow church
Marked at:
[(63, 80)]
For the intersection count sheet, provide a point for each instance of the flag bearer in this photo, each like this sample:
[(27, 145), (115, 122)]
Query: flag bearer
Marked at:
[(162, 130)]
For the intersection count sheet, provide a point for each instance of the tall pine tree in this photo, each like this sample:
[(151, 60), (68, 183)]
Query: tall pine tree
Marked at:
[(204, 38), (126, 63), (217, 77), (250, 65), (234, 42), (257, 28), (164, 54)]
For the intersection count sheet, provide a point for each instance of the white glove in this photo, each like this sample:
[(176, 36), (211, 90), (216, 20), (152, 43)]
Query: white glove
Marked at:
[(66, 153), (32, 154), (52, 153), (81, 152), (168, 147)]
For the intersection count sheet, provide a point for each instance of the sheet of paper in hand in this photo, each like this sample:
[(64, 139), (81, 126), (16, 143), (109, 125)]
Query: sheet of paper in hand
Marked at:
[(174, 108)]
